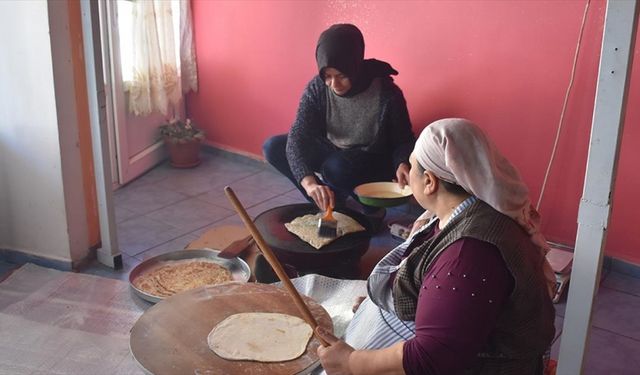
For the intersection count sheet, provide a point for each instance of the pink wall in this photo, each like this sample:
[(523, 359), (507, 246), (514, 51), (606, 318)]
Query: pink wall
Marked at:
[(504, 65)]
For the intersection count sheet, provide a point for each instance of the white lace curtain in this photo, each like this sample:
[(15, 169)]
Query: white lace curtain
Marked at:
[(162, 71)]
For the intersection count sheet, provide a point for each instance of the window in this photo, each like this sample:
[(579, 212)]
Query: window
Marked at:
[(125, 33)]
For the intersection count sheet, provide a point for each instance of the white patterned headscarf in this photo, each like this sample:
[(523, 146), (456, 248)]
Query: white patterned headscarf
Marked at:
[(458, 151)]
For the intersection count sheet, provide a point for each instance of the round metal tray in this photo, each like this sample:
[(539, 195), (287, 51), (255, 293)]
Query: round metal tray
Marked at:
[(239, 269)]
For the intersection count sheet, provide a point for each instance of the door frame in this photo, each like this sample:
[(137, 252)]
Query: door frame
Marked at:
[(109, 251), (125, 166)]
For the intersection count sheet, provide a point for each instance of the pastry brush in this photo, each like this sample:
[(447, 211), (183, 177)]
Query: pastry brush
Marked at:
[(328, 225)]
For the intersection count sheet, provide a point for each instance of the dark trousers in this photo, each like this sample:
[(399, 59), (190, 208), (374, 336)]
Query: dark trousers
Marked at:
[(342, 170)]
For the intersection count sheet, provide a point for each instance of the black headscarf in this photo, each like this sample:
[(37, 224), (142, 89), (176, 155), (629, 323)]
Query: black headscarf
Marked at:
[(342, 47)]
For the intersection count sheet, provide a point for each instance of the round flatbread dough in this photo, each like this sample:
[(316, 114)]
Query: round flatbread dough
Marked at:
[(263, 337)]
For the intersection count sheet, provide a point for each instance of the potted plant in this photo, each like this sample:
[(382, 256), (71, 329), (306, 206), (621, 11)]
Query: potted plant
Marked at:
[(183, 140)]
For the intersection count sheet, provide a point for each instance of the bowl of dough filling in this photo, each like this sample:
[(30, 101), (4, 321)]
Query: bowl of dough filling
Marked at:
[(383, 194)]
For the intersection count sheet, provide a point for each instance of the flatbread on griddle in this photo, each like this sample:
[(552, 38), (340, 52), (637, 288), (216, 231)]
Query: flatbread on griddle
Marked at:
[(306, 228)]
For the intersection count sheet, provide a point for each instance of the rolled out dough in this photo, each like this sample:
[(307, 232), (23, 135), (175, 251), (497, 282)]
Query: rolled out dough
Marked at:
[(263, 337)]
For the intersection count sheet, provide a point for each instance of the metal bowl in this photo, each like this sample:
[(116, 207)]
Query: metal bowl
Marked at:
[(383, 194), (240, 270)]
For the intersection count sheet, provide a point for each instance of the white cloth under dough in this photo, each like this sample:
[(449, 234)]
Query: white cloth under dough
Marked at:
[(263, 337), (306, 227)]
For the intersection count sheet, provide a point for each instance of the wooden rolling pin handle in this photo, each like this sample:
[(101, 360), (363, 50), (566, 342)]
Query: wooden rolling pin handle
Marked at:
[(274, 262)]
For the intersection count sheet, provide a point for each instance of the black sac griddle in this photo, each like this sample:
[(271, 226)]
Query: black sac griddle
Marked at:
[(341, 254)]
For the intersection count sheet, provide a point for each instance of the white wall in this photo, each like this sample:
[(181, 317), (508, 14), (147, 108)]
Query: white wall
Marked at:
[(33, 214), (68, 134)]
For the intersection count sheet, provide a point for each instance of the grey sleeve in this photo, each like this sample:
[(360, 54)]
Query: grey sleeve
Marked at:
[(308, 126), (400, 131)]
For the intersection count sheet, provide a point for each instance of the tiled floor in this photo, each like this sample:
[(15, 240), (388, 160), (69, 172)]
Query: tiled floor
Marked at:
[(614, 346), (167, 208)]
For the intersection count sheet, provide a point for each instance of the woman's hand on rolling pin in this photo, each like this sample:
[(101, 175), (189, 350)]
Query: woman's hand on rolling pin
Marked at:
[(335, 357), (322, 195)]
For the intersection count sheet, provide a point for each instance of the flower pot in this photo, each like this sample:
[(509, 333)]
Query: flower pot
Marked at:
[(183, 154)]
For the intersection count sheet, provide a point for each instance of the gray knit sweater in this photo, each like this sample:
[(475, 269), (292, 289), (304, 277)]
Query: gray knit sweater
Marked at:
[(394, 135)]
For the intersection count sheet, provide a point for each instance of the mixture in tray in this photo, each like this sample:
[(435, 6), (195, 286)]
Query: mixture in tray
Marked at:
[(172, 277)]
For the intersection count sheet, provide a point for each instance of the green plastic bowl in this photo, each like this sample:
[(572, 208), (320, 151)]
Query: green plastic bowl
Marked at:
[(383, 194)]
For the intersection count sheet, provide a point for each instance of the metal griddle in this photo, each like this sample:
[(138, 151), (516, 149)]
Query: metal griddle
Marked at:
[(292, 250), (171, 337)]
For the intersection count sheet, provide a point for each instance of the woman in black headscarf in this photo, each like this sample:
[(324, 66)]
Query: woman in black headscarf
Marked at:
[(352, 124)]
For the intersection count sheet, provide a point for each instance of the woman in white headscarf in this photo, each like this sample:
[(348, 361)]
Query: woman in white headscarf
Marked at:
[(466, 293)]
